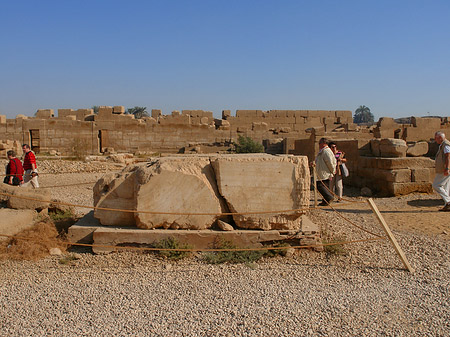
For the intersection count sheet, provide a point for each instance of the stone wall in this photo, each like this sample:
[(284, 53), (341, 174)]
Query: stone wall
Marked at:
[(111, 128)]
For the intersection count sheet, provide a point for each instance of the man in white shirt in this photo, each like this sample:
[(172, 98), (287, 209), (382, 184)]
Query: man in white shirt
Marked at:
[(441, 183), (325, 167)]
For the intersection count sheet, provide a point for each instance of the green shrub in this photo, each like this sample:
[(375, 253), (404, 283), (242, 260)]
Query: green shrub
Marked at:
[(337, 249), (246, 256), (172, 243), (248, 145), (62, 219)]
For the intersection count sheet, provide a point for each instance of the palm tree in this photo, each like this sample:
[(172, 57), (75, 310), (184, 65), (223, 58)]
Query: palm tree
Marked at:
[(363, 115), (138, 112)]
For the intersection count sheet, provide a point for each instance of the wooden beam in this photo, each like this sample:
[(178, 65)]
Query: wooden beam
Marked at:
[(390, 235)]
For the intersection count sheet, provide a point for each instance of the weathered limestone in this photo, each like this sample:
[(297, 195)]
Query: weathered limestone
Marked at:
[(252, 183), (417, 149), (185, 184), (25, 198), (395, 176), (176, 184), (14, 221), (391, 147), (421, 175), (82, 231), (196, 238), (224, 226), (115, 190)]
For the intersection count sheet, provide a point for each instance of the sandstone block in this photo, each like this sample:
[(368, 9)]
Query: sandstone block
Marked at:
[(14, 221), (224, 226), (433, 123), (195, 238), (45, 113), (407, 162), (118, 109), (395, 189), (391, 147), (156, 113), (176, 184), (398, 176), (115, 190), (417, 149), (420, 175), (2, 119), (375, 147), (105, 110), (17, 194), (251, 183)]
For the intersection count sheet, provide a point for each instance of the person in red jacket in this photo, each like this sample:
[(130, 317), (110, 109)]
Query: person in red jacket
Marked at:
[(30, 167), (14, 170)]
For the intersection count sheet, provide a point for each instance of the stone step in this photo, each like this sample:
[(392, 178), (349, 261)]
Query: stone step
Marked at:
[(89, 230), (199, 239)]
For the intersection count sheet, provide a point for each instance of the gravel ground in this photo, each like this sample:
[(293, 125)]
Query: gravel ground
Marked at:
[(365, 292)]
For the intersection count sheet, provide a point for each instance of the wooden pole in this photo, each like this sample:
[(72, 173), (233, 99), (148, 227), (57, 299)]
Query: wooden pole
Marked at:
[(390, 235), (315, 185)]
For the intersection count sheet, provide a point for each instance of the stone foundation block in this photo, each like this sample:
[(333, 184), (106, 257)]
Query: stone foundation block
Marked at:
[(421, 175), (406, 188)]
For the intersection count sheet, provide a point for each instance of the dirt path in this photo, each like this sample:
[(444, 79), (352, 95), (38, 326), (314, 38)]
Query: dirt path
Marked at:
[(415, 213)]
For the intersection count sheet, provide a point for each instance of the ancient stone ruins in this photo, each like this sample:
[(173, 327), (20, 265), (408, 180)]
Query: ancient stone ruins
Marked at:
[(389, 158), (197, 181)]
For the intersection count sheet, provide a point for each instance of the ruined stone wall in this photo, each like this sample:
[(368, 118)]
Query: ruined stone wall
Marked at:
[(83, 131)]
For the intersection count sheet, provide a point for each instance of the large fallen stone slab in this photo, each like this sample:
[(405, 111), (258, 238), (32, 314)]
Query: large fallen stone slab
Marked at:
[(252, 183), (116, 191), (177, 185), (25, 198), (165, 185), (14, 221)]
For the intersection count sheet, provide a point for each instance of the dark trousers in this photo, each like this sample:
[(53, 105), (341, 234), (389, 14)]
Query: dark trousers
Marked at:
[(323, 186)]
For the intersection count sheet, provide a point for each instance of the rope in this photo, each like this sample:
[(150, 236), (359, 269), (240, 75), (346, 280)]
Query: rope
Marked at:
[(346, 219), (345, 199), (57, 173), (202, 249), (68, 185)]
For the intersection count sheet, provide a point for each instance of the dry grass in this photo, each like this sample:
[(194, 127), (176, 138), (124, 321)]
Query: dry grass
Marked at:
[(39, 240)]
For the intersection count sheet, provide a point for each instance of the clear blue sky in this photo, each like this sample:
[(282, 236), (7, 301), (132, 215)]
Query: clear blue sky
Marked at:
[(392, 56)]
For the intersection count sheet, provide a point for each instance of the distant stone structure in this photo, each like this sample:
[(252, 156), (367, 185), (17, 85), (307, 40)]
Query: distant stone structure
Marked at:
[(112, 128), (197, 131)]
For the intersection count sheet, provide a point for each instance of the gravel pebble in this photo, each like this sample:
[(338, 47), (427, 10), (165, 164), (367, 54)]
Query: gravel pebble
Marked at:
[(365, 292)]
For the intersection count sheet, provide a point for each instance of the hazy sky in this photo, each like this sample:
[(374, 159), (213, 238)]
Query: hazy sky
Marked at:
[(392, 56)]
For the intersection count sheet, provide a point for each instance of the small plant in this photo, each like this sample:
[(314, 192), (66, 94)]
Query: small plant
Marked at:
[(68, 259), (248, 145), (247, 256), (61, 215), (172, 243), (337, 249), (275, 252), (62, 219)]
